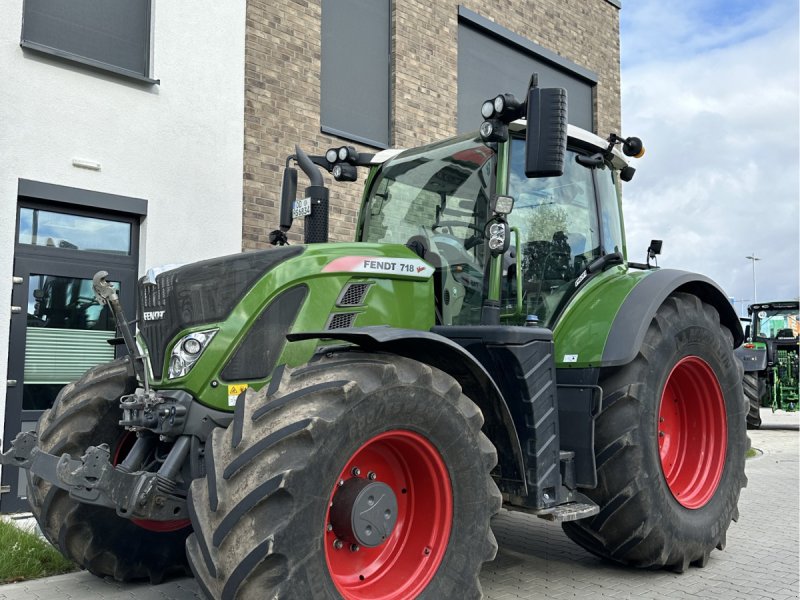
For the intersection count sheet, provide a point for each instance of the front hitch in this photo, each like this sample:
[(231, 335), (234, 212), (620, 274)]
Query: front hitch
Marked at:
[(94, 480)]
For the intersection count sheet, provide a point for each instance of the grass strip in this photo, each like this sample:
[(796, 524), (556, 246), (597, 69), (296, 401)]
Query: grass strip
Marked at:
[(25, 555)]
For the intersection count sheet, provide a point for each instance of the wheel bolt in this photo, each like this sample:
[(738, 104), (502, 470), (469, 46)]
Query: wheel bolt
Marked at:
[(341, 482), (427, 551), (354, 548), (660, 434), (329, 527), (356, 471), (372, 476), (337, 544)]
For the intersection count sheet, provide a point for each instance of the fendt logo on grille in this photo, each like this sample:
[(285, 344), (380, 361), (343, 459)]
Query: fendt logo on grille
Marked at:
[(153, 315)]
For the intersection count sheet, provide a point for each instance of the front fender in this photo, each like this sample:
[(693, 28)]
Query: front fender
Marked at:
[(476, 383)]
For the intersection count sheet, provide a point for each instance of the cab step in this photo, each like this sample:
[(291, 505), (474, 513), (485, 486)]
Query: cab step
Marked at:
[(571, 511)]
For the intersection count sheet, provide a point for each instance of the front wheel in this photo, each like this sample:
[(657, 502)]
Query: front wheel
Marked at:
[(670, 445), (358, 476), (86, 413)]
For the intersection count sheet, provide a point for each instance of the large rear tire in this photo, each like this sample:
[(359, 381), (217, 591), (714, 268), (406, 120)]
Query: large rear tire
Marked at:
[(670, 445), (86, 413), (755, 388), (279, 514)]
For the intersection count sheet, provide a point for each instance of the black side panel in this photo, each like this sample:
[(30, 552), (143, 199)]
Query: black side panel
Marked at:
[(578, 405), (256, 355), (639, 308), (203, 292), (520, 359)]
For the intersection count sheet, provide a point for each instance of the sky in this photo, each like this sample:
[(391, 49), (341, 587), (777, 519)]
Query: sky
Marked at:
[(711, 87)]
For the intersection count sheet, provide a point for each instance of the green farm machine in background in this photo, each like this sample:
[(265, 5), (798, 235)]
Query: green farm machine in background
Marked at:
[(770, 357), (342, 420)]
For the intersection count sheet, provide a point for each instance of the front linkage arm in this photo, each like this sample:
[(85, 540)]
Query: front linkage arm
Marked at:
[(94, 480)]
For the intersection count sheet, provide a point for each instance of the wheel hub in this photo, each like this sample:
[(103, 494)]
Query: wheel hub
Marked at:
[(364, 512)]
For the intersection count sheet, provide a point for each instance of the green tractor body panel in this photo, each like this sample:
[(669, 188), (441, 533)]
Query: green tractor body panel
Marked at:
[(397, 291), (582, 330)]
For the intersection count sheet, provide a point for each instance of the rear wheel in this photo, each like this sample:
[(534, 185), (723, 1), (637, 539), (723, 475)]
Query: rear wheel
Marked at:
[(358, 476), (670, 445), (755, 388), (86, 413)]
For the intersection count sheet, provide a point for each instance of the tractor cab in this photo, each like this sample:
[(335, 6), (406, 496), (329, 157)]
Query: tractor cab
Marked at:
[(441, 201)]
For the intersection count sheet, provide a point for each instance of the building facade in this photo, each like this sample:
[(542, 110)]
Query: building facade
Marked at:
[(402, 73), (121, 134)]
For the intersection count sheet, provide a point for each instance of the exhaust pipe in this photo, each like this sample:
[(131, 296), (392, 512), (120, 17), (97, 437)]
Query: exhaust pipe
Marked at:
[(316, 223)]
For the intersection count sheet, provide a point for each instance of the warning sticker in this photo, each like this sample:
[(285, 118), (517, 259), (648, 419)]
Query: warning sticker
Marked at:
[(380, 265), (234, 391)]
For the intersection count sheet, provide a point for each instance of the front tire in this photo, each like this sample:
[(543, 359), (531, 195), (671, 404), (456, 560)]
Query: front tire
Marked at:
[(670, 445), (86, 413), (280, 512), (755, 388)]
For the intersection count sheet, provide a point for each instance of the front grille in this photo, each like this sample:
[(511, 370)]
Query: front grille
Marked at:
[(203, 292), (259, 350)]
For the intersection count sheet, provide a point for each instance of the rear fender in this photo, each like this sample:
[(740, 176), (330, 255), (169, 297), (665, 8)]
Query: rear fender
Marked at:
[(476, 383), (639, 307)]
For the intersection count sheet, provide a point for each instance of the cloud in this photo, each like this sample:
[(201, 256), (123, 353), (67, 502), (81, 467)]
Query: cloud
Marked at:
[(714, 96)]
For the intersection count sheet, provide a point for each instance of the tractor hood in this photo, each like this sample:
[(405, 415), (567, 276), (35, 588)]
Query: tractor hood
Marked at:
[(202, 292)]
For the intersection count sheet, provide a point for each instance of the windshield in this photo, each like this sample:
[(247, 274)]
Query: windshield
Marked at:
[(776, 323), (436, 200)]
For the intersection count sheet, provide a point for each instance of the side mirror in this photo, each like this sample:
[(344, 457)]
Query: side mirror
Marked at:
[(288, 196), (546, 137)]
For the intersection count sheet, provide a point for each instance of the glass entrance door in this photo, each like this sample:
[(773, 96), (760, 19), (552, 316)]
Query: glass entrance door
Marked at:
[(66, 333)]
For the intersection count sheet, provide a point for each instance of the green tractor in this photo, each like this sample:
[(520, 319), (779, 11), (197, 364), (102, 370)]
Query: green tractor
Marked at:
[(770, 358), (343, 420)]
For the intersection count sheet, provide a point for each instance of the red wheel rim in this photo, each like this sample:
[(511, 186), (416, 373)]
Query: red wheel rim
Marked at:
[(405, 563), (123, 447), (692, 432)]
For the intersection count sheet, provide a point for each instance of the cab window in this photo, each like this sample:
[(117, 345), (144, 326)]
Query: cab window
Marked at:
[(559, 232)]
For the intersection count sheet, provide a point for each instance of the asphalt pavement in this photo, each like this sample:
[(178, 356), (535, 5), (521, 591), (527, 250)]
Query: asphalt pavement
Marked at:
[(536, 560)]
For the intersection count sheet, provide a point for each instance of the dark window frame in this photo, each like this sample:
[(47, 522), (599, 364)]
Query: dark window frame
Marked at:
[(93, 63)]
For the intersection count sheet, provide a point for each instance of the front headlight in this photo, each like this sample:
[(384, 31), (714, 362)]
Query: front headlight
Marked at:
[(186, 352)]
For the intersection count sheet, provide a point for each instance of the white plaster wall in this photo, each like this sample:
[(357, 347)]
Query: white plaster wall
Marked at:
[(178, 145)]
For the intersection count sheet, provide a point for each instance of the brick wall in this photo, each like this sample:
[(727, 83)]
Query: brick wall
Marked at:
[(282, 93)]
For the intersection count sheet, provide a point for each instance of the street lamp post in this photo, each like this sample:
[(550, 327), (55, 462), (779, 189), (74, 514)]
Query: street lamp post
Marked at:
[(754, 258)]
